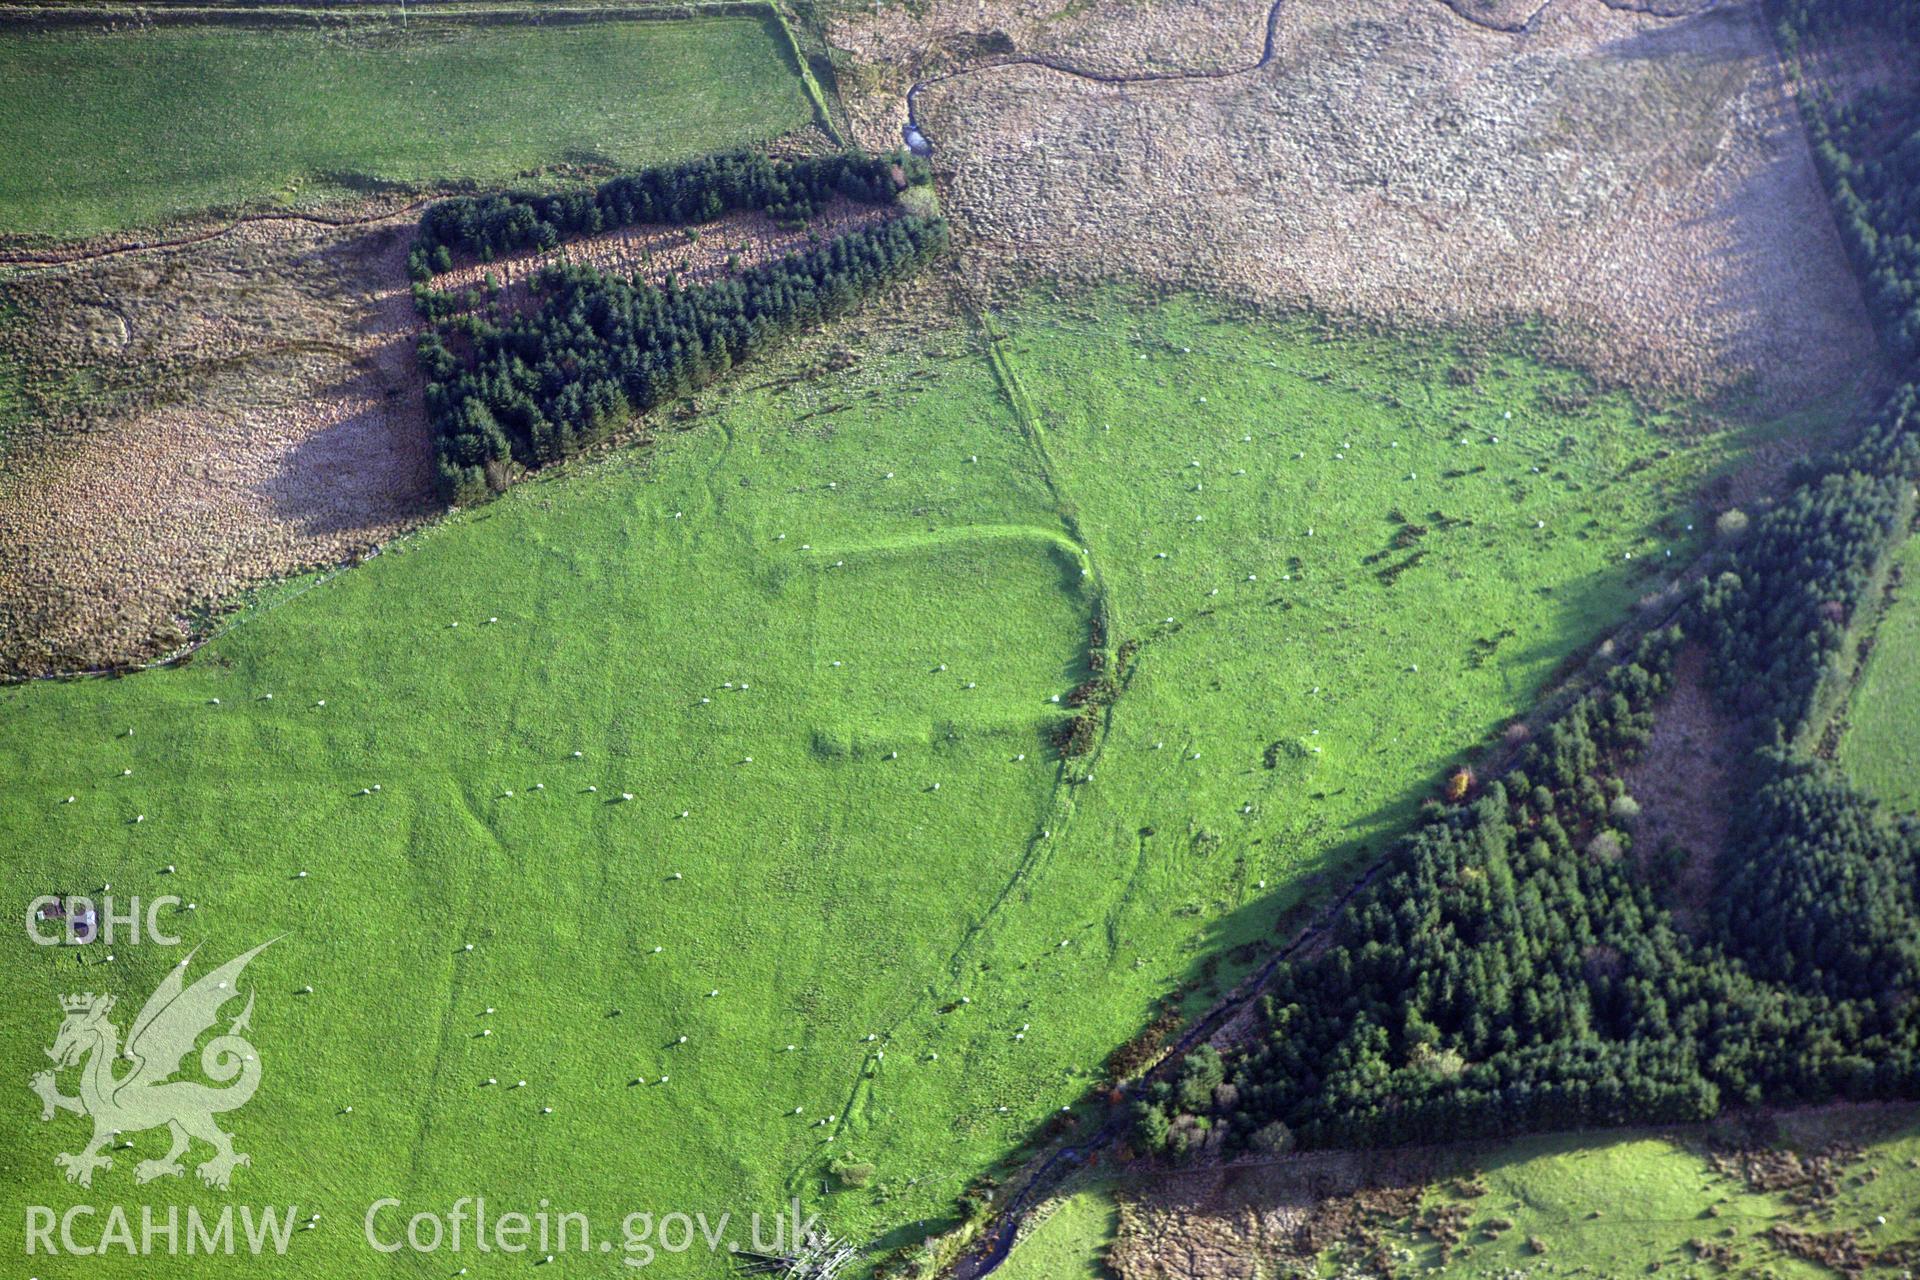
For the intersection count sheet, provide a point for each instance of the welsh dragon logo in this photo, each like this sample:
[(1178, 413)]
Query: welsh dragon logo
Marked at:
[(146, 1096)]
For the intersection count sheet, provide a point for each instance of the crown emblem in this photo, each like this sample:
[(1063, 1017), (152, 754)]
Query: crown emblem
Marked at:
[(84, 1003)]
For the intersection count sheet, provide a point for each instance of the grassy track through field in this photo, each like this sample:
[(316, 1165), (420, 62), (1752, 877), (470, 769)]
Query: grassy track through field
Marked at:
[(112, 130), (818, 642)]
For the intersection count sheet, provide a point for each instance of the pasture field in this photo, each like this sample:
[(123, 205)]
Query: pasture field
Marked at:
[(1683, 1204), (115, 130), (1622, 1205), (1070, 1245), (1881, 750), (817, 640)]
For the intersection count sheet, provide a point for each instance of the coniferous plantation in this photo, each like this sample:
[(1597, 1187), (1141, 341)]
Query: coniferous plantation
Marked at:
[(532, 387), (1147, 639), (1518, 965)]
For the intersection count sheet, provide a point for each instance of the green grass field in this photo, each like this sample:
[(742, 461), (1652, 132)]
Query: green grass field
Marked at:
[(1604, 1205), (904, 857), (1070, 1245), (114, 130), (1881, 750), (1623, 1206)]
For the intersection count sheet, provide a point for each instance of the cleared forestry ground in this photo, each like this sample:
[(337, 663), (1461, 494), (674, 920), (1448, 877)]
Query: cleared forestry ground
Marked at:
[(111, 130), (181, 424), (888, 847), (1636, 183), (1773, 1199)]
